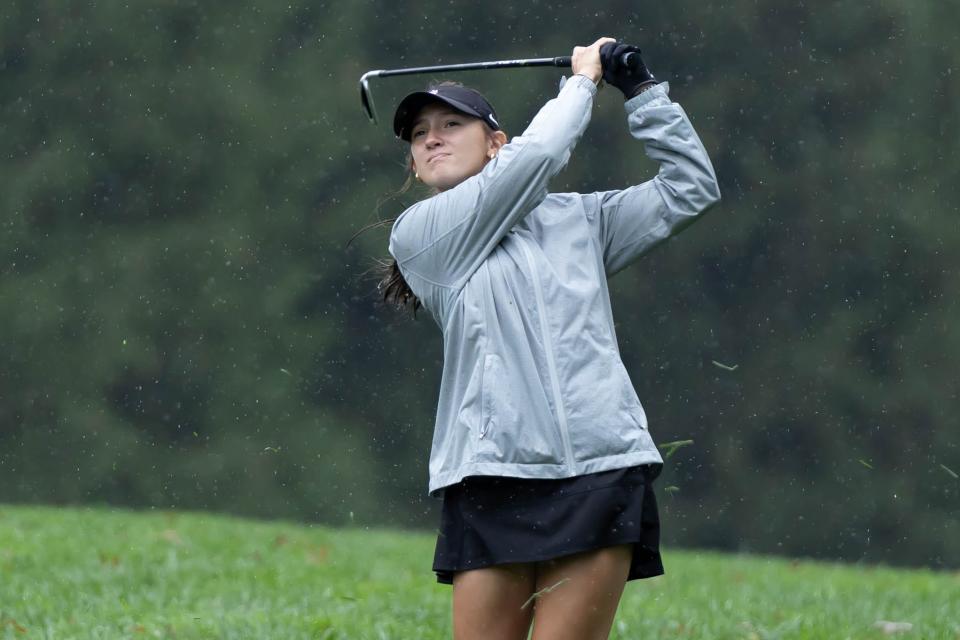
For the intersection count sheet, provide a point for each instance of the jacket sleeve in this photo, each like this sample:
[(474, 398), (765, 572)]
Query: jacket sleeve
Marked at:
[(632, 221), (444, 239)]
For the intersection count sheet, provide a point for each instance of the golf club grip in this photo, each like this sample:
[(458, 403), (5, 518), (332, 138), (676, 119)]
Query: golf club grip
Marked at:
[(630, 59)]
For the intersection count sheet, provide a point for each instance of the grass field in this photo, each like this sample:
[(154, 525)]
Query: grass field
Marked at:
[(103, 573)]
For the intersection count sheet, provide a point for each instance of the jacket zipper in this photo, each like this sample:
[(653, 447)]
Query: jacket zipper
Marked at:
[(551, 366)]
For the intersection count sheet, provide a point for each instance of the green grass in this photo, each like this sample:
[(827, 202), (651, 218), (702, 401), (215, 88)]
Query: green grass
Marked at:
[(103, 573)]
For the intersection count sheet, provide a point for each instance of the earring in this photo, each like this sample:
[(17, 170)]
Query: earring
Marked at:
[(416, 175)]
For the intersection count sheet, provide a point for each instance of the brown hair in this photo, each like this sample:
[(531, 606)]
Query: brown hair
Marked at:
[(391, 284)]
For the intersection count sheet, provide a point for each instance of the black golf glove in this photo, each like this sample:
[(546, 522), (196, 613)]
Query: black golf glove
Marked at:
[(628, 79)]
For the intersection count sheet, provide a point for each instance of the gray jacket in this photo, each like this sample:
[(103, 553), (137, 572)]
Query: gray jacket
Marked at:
[(533, 385)]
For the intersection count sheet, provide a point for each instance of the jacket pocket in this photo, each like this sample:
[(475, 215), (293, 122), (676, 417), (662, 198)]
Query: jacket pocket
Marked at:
[(488, 393), (511, 430)]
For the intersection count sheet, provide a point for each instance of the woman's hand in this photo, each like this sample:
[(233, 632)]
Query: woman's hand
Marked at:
[(586, 60)]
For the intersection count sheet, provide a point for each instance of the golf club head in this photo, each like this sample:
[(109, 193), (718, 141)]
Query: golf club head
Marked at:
[(366, 97)]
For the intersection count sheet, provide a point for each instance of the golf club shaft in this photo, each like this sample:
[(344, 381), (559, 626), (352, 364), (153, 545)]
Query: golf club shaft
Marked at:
[(562, 61), (629, 59)]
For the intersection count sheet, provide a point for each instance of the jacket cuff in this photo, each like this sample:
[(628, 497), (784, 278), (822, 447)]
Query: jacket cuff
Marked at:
[(659, 90), (582, 81)]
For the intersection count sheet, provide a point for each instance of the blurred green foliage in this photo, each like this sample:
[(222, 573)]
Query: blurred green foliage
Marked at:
[(185, 325)]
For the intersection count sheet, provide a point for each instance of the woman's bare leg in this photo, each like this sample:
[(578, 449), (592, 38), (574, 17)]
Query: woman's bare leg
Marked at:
[(488, 603), (583, 593)]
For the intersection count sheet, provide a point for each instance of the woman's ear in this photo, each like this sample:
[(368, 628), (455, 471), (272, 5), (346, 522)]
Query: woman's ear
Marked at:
[(497, 140)]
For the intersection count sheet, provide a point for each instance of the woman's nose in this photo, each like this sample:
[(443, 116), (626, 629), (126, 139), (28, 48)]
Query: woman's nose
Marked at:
[(432, 138)]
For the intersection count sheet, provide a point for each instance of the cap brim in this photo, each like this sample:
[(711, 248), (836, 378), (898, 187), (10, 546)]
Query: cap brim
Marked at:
[(410, 106)]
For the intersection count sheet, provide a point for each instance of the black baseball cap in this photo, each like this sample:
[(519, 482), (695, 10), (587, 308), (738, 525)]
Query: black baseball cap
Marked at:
[(463, 99)]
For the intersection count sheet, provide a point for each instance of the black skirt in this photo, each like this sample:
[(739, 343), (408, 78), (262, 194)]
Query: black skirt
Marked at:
[(490, 520)]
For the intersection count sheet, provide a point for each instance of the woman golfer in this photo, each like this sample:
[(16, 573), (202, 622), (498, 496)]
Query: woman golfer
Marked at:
[(541, 450)]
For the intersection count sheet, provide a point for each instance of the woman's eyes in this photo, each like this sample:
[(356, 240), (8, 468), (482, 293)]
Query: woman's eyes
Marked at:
[(417, 132)]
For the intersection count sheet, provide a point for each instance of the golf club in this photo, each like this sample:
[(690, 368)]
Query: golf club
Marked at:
[(629, 59)]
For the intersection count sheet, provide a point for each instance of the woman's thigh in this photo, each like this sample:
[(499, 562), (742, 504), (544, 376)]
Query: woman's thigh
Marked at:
[(583, 593), (488, 602)]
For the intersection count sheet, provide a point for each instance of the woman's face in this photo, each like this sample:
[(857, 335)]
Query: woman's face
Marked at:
[(448, 146)]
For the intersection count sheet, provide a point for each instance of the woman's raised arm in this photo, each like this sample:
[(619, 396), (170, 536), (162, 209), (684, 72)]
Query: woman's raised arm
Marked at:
[(444, 239), (632, 221)]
